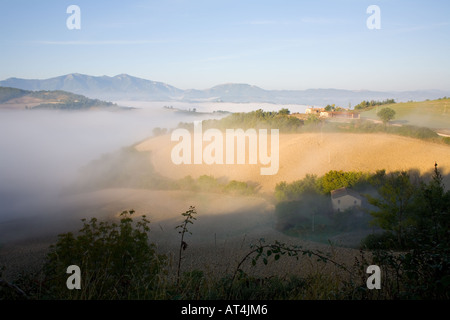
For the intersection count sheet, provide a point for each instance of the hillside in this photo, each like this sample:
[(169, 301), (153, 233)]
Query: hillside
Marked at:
[(313, 153), (433, 114), (120, 87), (12, 98)]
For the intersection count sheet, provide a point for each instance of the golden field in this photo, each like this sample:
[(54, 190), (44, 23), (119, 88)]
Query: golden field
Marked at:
[(313, 153)]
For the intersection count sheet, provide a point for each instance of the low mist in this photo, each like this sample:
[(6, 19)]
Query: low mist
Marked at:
[(43, 151), (70, 165)]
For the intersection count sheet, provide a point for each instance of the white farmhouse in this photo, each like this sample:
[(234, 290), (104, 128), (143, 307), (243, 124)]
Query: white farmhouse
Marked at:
[(344, 198)]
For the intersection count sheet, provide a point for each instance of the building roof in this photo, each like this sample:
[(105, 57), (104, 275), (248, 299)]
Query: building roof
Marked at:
[(344, 192)]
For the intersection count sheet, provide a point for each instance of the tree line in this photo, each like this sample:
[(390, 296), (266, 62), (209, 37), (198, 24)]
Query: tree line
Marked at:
[(373, 103)]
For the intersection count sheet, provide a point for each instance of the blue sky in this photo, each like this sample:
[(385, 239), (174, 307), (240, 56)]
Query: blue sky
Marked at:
[(199, 44)]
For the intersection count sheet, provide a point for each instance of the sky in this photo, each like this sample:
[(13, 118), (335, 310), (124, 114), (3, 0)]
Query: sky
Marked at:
[(197, 44)]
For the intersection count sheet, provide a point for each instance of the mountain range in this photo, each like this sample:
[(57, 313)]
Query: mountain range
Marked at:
[(125, 87)]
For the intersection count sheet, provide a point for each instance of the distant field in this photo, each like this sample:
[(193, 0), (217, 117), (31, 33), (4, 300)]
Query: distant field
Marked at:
[(314, 153), (434, 114)]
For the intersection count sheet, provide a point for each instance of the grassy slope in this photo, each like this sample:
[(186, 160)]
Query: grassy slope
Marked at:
[(434, 114)]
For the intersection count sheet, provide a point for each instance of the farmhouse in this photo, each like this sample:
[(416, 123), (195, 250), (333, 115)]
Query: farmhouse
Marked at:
[(313, 110), (344, 198)]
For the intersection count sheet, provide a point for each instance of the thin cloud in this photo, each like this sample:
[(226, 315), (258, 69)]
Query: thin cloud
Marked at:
[(222, 58), (266, 22), (99, 43), (262, 22), (422, 27), (322, 21)]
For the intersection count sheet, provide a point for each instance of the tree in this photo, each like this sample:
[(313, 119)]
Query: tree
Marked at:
[(396, 197), (329, 107), (312, 119), (424, 271), (284, 112), (386, 114), (433, 209), (333, 180)]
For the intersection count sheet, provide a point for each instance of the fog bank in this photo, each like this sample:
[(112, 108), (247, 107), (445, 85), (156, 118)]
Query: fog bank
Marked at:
[(42, 151)]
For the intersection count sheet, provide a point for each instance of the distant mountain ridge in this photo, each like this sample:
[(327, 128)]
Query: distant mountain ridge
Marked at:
[(126, 87), (120, 87)]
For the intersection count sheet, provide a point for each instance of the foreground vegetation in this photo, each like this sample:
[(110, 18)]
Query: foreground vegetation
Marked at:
[(414, 216), (304, 209), (399, 202), (117, 260)]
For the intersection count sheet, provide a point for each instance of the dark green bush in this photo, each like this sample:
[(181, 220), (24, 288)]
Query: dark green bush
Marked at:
[(116, 261), (385, 241)]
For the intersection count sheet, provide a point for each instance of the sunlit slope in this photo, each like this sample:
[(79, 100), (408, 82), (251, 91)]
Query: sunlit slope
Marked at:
[(313, 153), (433, 114)]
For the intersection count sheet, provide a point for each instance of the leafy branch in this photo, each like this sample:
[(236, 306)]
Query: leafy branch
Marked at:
[(189, 217), (276, 250)]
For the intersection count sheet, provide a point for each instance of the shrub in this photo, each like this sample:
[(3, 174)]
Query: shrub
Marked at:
[(350, 220), (385, 241), (116, 261), (240, 188), (295, 190), (446, 140)]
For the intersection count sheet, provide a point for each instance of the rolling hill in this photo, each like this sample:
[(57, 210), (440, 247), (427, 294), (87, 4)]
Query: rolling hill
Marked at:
[(12, 98), (120, 87), (433, 114), (313, 153)]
